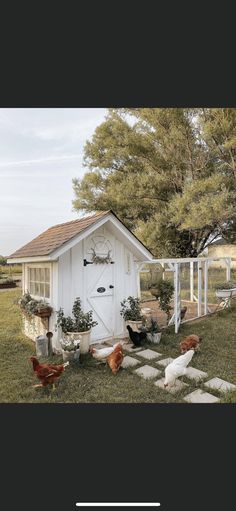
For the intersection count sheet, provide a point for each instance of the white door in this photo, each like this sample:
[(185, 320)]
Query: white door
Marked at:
[(99, 284)]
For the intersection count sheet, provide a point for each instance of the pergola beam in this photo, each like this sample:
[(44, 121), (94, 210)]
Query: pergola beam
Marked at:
[(173, 264)]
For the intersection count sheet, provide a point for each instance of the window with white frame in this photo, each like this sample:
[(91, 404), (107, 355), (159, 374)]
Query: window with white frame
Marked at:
[(39, 282)]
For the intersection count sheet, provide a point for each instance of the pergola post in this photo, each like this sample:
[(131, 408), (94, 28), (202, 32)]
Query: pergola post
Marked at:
[(199, 288), (191, 282), (228, 268), (205, 286), (177, 303)]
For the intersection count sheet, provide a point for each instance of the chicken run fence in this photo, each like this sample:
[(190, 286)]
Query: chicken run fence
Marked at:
[(198, 269)]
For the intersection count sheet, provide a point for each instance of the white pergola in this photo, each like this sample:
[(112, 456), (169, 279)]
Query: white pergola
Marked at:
[(174, 265)]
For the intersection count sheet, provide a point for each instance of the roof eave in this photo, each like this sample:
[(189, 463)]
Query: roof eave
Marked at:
[(31, 259)]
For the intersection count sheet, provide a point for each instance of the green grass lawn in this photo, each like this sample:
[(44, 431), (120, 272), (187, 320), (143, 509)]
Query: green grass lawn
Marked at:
[(88, 382)]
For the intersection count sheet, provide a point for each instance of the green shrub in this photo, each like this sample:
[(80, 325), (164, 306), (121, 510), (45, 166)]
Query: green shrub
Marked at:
[(80, 322), (131, 309)]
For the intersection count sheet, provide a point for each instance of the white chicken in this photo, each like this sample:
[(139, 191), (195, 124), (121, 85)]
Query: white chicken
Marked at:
[(102, 353), (177, 368)]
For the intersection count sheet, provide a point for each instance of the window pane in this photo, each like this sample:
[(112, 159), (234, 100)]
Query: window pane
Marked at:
[(47, 275), (32, 288), (31, 274), (47, 291), (42, 275), (41, 290), (37, 274)]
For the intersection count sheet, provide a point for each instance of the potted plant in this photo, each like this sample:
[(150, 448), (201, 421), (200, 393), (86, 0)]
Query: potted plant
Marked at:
[(163, 290), (43, 310), (153, 331), (225, 289), (70, 348), (32, 307), (131, 312), (77, 327)]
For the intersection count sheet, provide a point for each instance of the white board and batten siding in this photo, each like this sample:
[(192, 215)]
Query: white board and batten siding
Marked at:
[(75, 280)]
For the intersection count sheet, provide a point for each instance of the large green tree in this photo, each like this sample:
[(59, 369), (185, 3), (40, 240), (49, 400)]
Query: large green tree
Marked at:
[(169, 174)]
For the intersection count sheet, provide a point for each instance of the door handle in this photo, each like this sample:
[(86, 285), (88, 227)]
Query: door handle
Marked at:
[(111, 287)]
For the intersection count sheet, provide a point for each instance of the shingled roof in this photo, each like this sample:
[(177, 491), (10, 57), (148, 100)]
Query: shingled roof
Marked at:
[(56, 236)]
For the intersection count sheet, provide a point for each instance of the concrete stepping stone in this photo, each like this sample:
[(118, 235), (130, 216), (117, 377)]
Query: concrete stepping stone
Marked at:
[(195, 374), (129, 362), (198, 396), (221, 385), (149, 354), (165, 362), (147, 372), (177, 387), (129, 347)]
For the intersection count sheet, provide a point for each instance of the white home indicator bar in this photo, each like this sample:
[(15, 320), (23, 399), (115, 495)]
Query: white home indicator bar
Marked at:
[(118, 504)]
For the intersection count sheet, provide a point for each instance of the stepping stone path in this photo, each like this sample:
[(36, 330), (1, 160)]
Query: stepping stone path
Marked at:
[(149, 354), (165, 362), (220, 385), (198, 396), (147, 372), (195, 374), (179, 385), (129, 362), (129, 348)]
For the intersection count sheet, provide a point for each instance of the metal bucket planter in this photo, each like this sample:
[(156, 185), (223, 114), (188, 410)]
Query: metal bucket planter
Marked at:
[(154, 338), (225, 293), (69, 356)]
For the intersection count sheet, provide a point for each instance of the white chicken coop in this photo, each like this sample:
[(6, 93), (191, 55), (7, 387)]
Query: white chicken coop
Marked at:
[(94, 258), (200, 265)]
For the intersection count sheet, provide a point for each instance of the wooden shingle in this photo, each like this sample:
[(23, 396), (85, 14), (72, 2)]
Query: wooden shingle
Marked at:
[(56, 236)]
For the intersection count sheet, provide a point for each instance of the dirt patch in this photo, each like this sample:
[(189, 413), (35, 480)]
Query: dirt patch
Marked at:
[(160, 316)]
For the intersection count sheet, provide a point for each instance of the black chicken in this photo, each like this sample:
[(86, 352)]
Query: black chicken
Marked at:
[(136, 337)]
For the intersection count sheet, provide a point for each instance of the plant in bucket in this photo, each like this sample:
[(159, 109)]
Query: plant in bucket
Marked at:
[(77, 327), (153, 331), (70, 348), (131, 312)]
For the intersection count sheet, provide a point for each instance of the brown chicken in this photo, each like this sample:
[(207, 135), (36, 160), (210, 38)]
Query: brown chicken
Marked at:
[(47, 373), (189, 343), (115, 359)]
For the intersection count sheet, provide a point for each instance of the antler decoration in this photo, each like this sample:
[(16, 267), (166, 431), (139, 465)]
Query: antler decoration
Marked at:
[(101, 260)]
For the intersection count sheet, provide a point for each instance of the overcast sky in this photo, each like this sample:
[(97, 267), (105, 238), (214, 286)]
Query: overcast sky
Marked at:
[(41, 150)]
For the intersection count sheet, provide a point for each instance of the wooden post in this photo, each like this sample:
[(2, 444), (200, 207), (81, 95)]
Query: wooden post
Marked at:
[(205, 286), (199, 286), (228, 268), (191, 282), (163, 273)]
